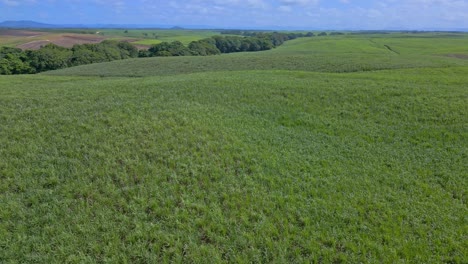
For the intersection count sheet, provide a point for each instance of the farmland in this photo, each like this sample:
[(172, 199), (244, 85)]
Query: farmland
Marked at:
[(142, 38), (339, 149), (33, 40), (330, 54)]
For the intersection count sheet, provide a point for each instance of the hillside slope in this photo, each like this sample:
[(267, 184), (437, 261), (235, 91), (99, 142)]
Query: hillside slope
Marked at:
[(323, 54), (223, 158)]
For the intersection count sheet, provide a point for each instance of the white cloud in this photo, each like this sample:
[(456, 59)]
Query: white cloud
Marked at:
[(10, 2), (17, 2), (342, 14), (299, 2), (224, 3), (117, 6), (257, 4), (314, 14), (285, 8)]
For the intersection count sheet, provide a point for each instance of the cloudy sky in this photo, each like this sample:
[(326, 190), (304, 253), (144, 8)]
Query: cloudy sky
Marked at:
[(304, 14)]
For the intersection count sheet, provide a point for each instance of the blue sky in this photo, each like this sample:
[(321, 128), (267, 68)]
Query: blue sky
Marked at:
[(308, 14)]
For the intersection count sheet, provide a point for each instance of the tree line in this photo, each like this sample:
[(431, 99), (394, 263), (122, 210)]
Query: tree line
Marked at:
[(256, 41), (251, 33), (53, 57)]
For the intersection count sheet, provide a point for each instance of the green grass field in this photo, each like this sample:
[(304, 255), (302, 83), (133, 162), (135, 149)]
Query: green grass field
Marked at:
[(324, 150), (184, 36), (319, 54)]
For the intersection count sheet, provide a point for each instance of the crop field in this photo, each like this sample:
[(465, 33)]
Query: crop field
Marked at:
[(155, 36), (343, 149), (320, 54), (33, 40), (142, 38)]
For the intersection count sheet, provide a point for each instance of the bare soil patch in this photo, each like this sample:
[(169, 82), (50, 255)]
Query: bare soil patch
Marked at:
[(33, 45), (70, 40), (67, 41), (459, 56), (20, 33), (34, 40)]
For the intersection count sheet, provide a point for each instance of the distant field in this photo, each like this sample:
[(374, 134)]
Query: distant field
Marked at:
[(152, 36), (323, 54), (346, 149), (34, 39)]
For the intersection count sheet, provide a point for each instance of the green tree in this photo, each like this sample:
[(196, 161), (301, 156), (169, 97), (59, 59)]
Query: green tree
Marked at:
[(127, 50), (178, 49), (175, 48), (203, 48), (49, 57), (144, 53), (155, 50), (14, 63), (85, 54)]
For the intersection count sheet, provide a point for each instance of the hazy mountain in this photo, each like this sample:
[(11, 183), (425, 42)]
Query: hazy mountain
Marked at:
[(38, 25), (25, 24)]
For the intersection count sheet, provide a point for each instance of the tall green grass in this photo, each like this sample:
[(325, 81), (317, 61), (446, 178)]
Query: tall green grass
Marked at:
[(245, 164), (323, 54)]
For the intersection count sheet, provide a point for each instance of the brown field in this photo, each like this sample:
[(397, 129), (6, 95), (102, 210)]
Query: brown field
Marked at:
[(33, 45), (67, 40), (33, 40), (19, 33)]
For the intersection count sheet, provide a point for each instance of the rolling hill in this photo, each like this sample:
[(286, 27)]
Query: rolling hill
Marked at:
[(25, 24), (324, 150)]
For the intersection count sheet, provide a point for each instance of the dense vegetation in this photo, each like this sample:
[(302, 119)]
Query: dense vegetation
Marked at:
[(242, 158), (348, 53), (253, 33), (52, 57), (216, 45)]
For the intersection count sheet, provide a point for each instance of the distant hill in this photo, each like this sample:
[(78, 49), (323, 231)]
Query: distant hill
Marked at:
[(34, 24), (38, 25), (25, 24)]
